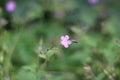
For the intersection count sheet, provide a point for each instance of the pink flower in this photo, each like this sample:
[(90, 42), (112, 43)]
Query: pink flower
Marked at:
[(57, 15), (10, 6), (65, 41), (93, 1)]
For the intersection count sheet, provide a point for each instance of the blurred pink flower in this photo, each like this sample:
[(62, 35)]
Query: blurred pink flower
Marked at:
[(65, 41), (93, 1), (57, 15), (10, 6)]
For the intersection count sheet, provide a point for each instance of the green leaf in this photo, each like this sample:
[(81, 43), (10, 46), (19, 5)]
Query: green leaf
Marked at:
[(51, 52), (100, 76), (42, 56)]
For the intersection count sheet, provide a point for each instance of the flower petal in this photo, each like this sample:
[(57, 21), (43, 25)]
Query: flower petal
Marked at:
[(66, 37), (69, 42), (66, 45), (62, 42), (62, 37)]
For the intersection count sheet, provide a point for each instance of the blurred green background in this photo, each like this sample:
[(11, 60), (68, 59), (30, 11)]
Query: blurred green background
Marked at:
[(30, 32)]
